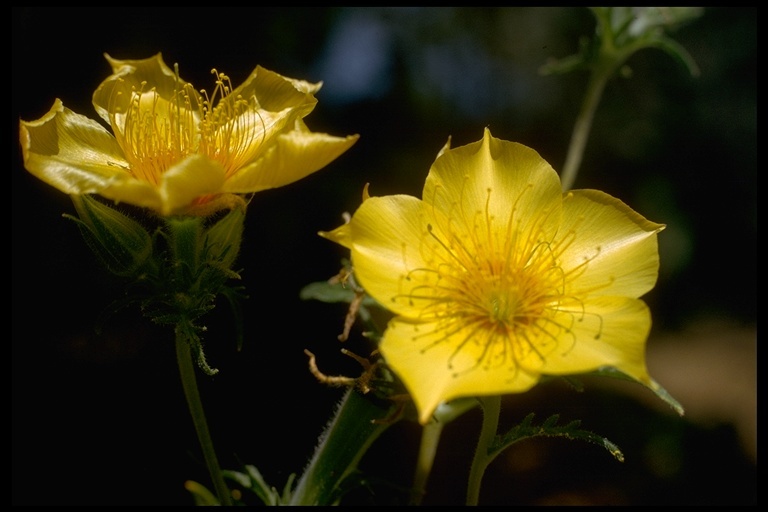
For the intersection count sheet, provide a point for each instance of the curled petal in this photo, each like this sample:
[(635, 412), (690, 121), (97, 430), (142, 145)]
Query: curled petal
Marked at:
[(114, 94), (504, 181), (275, 92), (294, 155), (194, 177), (71, 152), (385, 235), (609, 248)]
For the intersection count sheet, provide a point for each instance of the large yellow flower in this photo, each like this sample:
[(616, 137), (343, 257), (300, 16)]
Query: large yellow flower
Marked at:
[(496, 277), (177, 150)]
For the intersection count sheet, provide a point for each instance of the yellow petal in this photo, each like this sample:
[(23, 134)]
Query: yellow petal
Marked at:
[(435, 369), (195, 176), (71, 152), (611, 249), (293, 156), (386, 235), (504, 182), (605, 331), (341, 235), (114, 93), (275, 92)]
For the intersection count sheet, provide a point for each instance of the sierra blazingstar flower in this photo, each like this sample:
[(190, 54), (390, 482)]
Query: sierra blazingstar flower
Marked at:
[(496, 277), (177, 150)]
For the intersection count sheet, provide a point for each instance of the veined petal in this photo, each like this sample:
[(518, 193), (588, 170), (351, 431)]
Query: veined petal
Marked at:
[(387, 234), (196, 176), (71, 152), (113, 94), (436, 366), (136, 192), (192, 178), (275, 92), (605, 331), (293, 156), (608, 249), (250, 136), (495, 181)]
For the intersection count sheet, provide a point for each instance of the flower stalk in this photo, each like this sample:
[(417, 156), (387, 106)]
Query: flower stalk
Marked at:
[(357, 423), (583, 125), (620, 32), (430, 439), (192, 394), (491, 406)]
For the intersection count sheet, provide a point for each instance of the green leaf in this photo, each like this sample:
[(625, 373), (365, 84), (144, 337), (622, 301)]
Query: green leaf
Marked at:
[(608, 371), (328, 292), (526, 430), (337, 292), (254, 482), (677, 52), (202, 496)]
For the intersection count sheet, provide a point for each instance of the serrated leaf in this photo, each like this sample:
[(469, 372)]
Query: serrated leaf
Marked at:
[(551, 421), (526, 430)]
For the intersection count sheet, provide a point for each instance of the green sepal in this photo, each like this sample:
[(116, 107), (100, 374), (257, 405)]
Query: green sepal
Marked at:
[(223, 239), (121, 243)]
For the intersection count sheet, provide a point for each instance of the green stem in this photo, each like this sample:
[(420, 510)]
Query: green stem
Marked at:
[(491, 409), (583, 125), (430, 438), (354, 427), (189, 382)]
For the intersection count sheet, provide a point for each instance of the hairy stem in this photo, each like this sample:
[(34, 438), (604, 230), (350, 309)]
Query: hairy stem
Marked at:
[(189, 382)]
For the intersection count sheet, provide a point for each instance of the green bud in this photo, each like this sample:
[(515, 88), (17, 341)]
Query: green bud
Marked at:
[(121, 243)]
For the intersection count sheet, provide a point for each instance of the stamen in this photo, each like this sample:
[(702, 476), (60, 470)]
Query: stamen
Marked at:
[(157, 132)]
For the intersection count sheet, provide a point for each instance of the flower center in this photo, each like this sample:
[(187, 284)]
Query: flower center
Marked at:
[(157, 131), (493, 288)]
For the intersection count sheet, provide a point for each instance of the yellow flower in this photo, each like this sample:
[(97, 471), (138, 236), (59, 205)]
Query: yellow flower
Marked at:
[(496, 277), (177, 150)]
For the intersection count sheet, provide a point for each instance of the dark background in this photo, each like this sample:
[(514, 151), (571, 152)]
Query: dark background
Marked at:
[(101, 419)]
